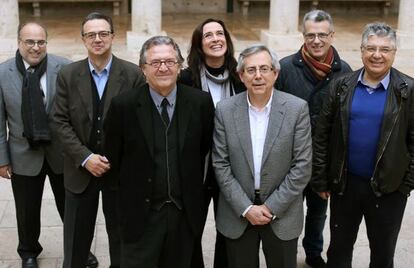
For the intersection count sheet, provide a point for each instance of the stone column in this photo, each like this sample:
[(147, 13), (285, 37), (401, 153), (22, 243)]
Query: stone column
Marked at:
[(283, 31), (9, 20), (405, 32), (146, 22)]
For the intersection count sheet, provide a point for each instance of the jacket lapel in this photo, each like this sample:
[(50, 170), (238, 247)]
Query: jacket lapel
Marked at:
[(144, 114), (84, 88), (183, 113), (16, 78), (241, 121), (114, 83), (276, 116), (51, 74)]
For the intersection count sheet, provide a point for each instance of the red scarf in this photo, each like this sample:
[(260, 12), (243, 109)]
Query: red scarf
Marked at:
[(319, 68)]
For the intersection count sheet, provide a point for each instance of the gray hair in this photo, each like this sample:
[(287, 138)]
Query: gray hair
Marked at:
[(317, 15), (156, 41), (380, 29), (254, 50)]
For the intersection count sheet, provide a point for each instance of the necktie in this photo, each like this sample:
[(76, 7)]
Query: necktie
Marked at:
[(164, 113)]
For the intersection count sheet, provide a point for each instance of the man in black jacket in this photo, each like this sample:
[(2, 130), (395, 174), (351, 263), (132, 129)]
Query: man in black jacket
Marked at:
[(364, 151), (307, 74)]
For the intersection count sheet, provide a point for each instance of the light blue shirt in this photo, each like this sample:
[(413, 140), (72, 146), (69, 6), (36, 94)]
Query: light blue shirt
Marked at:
[(384, 82), (100, 82), (100, 78), (157, 98)]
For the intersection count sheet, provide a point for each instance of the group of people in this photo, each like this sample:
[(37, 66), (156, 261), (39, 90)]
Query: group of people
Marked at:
[(255, 135)]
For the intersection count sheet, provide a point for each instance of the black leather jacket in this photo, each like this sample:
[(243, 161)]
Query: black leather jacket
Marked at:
[(395, 153)]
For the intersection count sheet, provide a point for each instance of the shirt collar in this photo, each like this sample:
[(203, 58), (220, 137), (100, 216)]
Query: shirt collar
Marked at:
[(158, 98), (384, 82), (266, 108), (105, 70)]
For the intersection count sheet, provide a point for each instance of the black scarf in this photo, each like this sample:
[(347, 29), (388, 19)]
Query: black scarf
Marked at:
[(35, 120)]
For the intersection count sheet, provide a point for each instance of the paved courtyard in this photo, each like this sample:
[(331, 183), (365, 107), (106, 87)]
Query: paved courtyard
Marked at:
[(65, 40)]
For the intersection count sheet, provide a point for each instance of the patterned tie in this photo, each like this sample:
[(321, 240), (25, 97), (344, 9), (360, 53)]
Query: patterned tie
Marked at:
[(164, 113)]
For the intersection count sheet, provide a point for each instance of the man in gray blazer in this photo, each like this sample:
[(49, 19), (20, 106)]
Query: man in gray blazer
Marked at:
[(262, 158), (28, 152)]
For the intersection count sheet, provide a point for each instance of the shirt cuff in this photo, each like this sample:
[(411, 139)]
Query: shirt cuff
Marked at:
[(86, 160), (246, 210)]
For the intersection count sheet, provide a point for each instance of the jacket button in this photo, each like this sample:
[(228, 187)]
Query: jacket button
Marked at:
[(147, 200), (149, 180)]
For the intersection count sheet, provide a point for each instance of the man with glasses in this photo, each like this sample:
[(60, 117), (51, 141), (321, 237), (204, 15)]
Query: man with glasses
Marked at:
[(84, 91), (28, 151), (157, 139), (262, 155), (364, 151), (307, 75)]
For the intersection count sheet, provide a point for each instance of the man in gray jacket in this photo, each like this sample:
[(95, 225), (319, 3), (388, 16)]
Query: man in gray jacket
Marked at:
[(262, 159), (28, 152)]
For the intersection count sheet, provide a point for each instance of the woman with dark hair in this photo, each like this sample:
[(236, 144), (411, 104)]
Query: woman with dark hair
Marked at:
[(212, 68)]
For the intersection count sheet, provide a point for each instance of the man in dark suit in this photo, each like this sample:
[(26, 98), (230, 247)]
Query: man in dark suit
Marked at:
[(84, 91), (157, 140), (28, 152)]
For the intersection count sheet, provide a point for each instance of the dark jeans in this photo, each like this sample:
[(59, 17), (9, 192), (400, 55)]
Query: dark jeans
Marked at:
[(383, 216), (79, 224), (220, 256), (27, 192), (315, 221)]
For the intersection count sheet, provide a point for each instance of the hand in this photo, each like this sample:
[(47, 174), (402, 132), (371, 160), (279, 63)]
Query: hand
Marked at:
[(97, 165), (324, 195), (259, 215), (5, 171)]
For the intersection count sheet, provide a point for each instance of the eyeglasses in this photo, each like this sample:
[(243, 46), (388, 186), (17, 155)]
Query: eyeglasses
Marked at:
[(321, 36), (157, 63), (101, 34), (264, 69), (381, 50), (32, 43)]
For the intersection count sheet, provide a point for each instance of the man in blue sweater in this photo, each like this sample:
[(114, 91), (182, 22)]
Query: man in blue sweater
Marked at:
[(364, 151)]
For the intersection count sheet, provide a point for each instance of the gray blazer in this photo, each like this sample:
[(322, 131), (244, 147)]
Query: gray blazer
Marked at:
[(14, 148), (286, 164)]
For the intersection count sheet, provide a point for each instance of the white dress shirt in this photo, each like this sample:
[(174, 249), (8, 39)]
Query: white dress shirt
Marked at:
[(259, 120)]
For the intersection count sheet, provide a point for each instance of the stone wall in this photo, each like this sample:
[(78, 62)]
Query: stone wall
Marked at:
[(204, 6), (194, 6)]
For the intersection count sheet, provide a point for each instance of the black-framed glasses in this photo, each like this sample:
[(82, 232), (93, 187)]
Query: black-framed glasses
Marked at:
[(321, 36), (263, 69), (101, 34), (381, 50), (157, 63), (32, 43)]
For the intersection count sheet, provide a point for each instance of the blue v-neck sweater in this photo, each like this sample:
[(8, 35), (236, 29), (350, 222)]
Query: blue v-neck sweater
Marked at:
[(365, 122)]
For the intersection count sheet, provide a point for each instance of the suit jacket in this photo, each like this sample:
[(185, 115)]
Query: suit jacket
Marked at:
[(14, 148), (73, 113), (129, 147), (286, 164)]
